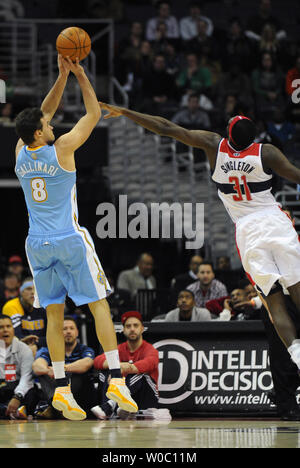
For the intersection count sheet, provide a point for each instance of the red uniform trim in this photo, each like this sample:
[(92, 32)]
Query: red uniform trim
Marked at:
[(252, 150)]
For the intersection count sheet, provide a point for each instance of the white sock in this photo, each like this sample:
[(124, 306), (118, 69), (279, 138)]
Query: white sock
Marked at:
[(113, 359), (294, 351), (59, 369)]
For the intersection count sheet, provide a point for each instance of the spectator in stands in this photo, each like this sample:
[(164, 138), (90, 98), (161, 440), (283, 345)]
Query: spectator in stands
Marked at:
[(139, 277), (264, 15), (188, 24), (172, 58), (158, 89), (233, 307), (181, 281), (161, 41), (17, 386), (163, 14), (29, 323), (193, 78), (186, 310), (129, 51), (202, 42), (15, 265), (236, 48), (192, 117), (207, 287), (139, 364), (267, 82), (279, 127), (79, 362), (10, 288)]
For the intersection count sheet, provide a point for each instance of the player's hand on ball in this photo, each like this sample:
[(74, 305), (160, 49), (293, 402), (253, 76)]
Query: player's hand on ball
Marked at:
[(75, 67), (63, 65), (113, 111)]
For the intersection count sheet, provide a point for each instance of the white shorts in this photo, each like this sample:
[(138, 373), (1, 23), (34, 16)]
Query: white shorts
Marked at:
[(269, 248)]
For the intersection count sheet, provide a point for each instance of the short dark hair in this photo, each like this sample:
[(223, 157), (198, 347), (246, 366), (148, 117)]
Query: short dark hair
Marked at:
[(243, 133), (188, 291), (69, 317), (27, 122), (207, 262), (3, 317)]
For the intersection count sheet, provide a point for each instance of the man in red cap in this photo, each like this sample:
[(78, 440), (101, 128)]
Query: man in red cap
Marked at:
[(243, 171), (139, 364), (15, 265)]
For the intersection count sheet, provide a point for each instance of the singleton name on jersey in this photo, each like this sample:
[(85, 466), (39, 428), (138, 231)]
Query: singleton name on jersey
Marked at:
[(237, 166)]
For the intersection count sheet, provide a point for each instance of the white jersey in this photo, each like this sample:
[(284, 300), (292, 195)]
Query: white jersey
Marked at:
[(243, 185)]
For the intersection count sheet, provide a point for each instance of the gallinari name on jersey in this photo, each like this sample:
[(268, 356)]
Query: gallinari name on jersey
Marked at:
[(237, 166), (36, 166)]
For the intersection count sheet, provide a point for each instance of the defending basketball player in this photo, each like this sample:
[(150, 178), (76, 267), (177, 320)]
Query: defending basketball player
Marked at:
[(266, 239), (60, 252)]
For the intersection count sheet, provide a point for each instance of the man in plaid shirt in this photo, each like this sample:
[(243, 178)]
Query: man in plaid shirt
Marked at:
[(207, 287)]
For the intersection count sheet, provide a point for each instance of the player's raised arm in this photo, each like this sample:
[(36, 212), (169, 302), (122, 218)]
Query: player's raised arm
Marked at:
[(203, 139), (274, 159), (51, 102), (72, 140)]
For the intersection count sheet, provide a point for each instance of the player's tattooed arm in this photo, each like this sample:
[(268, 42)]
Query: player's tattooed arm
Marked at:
[(274, 159), (207, 141)]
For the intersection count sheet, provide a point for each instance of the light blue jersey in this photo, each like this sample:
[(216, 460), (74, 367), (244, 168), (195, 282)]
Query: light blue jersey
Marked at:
[(61, 254), (50, 190)]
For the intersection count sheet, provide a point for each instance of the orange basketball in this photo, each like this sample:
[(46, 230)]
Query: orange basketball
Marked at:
[(73, 42)]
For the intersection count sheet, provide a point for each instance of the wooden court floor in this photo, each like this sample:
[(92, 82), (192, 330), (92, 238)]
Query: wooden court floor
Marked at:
[(179, 433)]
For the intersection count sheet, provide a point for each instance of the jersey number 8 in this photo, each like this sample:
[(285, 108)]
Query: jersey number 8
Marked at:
[(38, 188)]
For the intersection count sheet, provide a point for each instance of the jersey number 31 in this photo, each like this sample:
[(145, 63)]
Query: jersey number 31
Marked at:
[(237, 188)]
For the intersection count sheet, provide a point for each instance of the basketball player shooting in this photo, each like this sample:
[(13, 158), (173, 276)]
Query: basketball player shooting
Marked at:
[(60, 252), (267, 242)]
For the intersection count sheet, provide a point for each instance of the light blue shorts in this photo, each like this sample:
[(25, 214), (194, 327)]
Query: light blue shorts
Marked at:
[(65, 265)]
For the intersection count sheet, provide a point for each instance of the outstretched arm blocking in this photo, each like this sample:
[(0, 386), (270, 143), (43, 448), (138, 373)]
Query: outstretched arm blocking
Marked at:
[(205, 140)]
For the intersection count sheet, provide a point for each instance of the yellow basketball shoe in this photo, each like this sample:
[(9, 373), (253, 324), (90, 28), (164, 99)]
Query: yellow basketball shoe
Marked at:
[(63, 400), (119, 392)]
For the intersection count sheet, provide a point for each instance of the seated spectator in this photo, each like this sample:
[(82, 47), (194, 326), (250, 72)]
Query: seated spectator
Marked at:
[(79, 360), (11, 10), (233, 307), (15, 265), (158, 88), (188, 24), (161, 41), (17, 393), (193, 117), (139, 365), (186, 310), (207, 287), (264, 15), (279, 127), (129, 51), (29, 323), (139, 277), (236, 48), (202, 42), (172, 58), (181, 281), (268, 42), (10, 288), (267, 82), (163, 14), (193, 78)]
